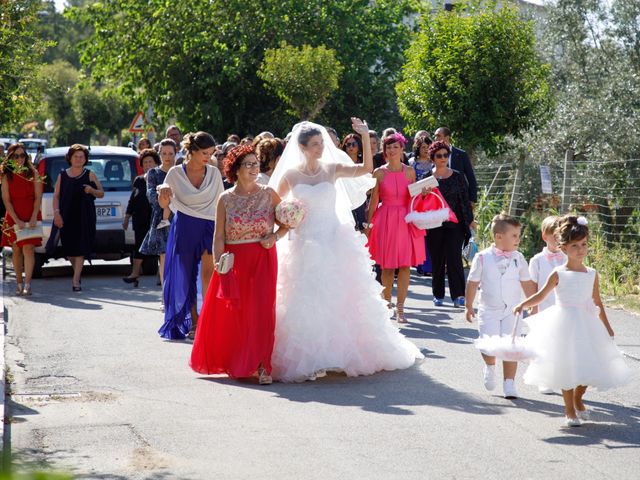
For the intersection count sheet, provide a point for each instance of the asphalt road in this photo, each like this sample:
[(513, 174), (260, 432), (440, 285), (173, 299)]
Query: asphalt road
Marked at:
[(96, 392)]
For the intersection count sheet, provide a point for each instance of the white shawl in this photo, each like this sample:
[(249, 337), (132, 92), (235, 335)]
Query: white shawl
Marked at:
[(197, 202)]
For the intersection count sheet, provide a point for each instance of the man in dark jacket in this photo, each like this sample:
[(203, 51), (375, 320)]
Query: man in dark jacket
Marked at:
[(459, 160)]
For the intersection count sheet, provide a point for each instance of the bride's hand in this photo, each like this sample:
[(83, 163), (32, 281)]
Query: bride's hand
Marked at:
[(360, 126)]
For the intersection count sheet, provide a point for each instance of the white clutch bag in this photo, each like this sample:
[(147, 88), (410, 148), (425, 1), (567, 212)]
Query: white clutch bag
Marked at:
[(225, 263), (28, 233), (428, 182)]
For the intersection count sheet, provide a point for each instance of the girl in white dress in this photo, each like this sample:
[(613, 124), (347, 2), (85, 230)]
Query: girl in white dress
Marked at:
[(329, 311), (573, 338)]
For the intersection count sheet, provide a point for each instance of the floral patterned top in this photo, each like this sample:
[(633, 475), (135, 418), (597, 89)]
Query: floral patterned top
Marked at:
[(249, 218)]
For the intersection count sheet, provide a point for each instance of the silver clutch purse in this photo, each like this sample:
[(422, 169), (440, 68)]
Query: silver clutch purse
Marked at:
[(225, 263)]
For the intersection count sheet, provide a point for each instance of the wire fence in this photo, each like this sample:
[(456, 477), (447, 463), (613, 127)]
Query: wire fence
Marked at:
[(606, 192)]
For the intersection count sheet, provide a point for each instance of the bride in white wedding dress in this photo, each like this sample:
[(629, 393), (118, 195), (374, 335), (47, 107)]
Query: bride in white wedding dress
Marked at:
[(330, 315)]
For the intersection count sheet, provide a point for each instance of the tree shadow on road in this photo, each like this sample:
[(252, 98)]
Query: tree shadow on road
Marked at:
[(389, 393), (432, 324)]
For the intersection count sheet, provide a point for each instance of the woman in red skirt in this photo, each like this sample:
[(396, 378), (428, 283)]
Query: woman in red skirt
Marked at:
[(235, 333), (22, 196)]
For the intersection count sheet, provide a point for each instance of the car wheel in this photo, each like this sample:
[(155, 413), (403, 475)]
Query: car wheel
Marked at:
[(40, 260)]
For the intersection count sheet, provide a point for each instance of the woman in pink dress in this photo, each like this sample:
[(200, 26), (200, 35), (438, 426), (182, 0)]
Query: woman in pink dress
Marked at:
[(235, 332), (394, 243)]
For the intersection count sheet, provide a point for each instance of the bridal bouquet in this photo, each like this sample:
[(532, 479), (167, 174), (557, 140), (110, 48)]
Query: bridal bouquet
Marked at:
[(290, 213)]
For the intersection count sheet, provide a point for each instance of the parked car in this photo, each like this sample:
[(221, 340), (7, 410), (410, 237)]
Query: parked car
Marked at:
[(35, 146), (115, 167), (7, 141)]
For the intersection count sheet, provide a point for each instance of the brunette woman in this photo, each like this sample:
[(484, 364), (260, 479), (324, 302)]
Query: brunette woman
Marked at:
[(139, 210), (22, 197), (393, 243), (445, 242), (192, 189), (74, 211)]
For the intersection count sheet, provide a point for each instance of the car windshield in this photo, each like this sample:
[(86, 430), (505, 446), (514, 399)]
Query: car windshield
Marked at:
[(115, 172), (33, 147)]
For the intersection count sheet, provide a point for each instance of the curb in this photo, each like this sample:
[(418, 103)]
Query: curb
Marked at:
[(3, 325)]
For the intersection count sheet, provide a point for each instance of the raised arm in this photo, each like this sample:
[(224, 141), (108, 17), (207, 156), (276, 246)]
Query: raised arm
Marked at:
[(362, 129)]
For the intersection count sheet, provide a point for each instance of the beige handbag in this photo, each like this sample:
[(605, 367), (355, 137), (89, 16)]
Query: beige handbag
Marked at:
[(28, 233), (225, 263)]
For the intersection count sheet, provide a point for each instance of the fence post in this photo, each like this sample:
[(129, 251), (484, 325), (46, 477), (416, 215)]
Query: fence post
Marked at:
[(567, 180), (513, 203)]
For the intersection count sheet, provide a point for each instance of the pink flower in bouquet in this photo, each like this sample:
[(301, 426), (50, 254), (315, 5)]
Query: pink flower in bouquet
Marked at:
[(290, 212)]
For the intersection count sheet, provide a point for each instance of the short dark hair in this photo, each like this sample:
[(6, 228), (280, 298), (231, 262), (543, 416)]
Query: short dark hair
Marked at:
[(500, 222), (445, 131), (234, 159), (76, 147), (149, 152), (436, 146), (168, 142)]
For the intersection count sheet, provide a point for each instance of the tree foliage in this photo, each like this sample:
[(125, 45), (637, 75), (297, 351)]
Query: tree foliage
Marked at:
[(20, 51), (197, 60), (477, 71), (302, 77)]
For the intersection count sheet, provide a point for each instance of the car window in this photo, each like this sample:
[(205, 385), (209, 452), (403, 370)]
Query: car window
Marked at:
[(115, 172)]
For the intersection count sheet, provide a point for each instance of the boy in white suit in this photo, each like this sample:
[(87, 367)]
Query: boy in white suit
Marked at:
[(501, 273)]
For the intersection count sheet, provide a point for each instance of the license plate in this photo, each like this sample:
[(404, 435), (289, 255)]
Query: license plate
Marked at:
[(106, 211)]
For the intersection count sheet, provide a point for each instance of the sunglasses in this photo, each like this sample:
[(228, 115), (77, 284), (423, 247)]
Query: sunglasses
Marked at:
[(19, 155), (250, 165), (441, 155), (351, 144)]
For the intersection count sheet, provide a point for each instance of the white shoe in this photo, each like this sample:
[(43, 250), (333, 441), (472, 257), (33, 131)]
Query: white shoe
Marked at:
[(583, 415), (489, 374), (509, 389), (545, 390), (572, 422), (163, 224)]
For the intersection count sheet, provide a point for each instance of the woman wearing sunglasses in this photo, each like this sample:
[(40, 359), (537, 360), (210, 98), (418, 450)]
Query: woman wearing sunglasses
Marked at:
[(22, 196), (445, 243)]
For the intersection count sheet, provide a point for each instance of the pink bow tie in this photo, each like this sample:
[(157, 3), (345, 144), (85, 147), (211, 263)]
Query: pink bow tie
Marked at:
[(502, 253), (554, 256)]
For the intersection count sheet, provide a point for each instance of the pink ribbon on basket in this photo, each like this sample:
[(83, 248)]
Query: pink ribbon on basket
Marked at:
[(433, 201)]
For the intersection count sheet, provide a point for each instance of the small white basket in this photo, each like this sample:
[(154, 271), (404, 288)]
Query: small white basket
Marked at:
[(429, 219)]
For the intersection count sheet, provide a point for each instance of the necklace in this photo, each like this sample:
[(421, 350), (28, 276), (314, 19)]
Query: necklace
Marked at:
[(246, 192)]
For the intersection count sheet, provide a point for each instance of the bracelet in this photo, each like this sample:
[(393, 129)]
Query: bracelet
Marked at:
[(56, 210)]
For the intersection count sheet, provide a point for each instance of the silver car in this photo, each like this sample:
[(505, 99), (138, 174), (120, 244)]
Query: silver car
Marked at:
[(115, 167)]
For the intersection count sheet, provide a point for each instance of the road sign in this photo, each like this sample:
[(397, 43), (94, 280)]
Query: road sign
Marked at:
[(137, 126)]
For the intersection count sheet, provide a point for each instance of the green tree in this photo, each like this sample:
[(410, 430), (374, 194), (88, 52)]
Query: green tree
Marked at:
[(57, 82), (62, 34), (198, 60), (104, 111), (477, 71), (20, 51), (302, 77)]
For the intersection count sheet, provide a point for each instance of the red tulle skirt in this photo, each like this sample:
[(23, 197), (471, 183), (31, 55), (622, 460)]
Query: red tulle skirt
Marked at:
[(236, 326)]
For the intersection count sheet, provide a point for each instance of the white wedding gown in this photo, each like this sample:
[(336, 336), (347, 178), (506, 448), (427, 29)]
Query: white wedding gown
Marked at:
[(329, 312)]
